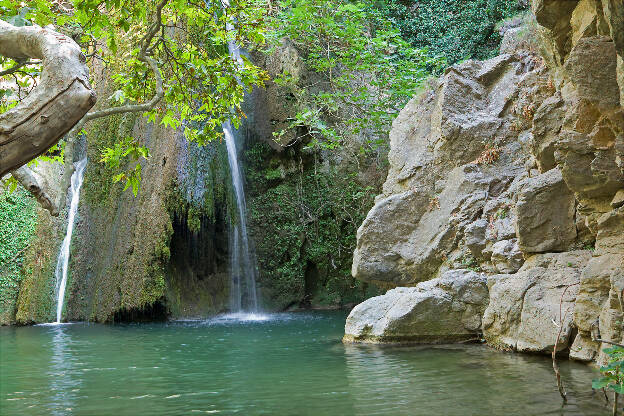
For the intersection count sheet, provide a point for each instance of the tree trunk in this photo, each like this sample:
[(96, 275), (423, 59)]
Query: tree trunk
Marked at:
[(61, 99)]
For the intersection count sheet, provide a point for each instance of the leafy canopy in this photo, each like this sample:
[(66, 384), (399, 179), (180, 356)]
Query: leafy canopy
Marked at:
[(366, 71), (203, 86)]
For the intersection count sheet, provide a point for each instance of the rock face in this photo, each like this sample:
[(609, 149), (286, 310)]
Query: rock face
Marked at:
[(523, 306), (446, 309), (513, 167), (451, 154), (545, 212)]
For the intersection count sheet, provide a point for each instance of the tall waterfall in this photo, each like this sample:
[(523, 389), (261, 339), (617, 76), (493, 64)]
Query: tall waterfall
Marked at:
[(243, 271), (63, 258)]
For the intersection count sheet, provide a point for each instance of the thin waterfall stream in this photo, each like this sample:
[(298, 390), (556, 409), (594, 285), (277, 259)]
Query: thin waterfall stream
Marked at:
[(243, 270), (62, 263)]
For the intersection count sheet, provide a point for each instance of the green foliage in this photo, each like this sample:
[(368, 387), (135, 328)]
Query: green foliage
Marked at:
[(304, 228), (124, 152), (366, 72), (203, 85), (454, 29), (612, 374), (18, 219)]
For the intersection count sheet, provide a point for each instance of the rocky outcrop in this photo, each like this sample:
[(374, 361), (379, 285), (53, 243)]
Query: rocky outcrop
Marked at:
[(513, 167), (446, 309), (523, 313), (545, 214), (454, 150)]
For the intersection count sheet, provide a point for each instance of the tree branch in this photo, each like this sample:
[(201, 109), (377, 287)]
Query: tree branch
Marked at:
[(17, 66), (28, 180), (60, 100), (143, 56)]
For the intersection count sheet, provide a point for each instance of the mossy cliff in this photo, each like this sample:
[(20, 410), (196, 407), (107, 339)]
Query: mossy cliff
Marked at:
[(146, 257), (29, 245)]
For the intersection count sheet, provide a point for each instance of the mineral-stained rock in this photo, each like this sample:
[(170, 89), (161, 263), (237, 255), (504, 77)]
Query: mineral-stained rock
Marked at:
[(591, 67), (523, 306), (545, 214), (446, 309), (506, 256)]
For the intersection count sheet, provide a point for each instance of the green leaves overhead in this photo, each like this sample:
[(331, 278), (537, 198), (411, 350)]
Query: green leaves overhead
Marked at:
[(203, 86), (368, 71)]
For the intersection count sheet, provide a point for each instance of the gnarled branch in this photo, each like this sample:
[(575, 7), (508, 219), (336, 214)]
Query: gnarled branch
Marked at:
[(28, 180), (62, 98)]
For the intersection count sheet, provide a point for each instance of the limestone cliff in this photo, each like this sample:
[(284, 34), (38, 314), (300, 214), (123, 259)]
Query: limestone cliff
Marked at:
[(513, 168)]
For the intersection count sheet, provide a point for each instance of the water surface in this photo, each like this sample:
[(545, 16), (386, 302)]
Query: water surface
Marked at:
[(290, 364)]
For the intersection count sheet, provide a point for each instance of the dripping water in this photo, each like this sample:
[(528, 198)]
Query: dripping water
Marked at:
[(63, 258)]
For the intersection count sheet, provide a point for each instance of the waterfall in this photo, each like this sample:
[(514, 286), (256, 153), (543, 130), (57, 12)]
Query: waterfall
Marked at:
[(243, 271), (242, 262), (63, 258)]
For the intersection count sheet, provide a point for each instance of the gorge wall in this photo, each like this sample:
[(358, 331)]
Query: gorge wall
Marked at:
[(504, 202), (165, 253)]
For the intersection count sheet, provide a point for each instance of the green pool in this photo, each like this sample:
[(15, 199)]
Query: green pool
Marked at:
[(289, 364)]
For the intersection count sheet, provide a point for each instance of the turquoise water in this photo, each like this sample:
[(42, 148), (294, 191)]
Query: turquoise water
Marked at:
[(292, 364)]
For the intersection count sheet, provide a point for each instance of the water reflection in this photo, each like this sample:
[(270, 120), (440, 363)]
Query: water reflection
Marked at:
[(456, 380), (64, 384)]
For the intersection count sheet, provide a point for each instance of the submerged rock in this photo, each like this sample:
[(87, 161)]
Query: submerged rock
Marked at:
[(446, 309)]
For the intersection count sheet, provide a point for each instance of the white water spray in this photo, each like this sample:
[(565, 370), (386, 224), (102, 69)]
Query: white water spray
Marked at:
[(243, 294), (63, 259)]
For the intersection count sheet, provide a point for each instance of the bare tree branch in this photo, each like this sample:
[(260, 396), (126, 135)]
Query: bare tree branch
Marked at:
[(28, 180), (62, 98)]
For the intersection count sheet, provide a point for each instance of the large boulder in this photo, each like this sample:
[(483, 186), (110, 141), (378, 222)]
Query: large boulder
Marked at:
[(446, 309), (524, 308), (404, 235), (545, 214)]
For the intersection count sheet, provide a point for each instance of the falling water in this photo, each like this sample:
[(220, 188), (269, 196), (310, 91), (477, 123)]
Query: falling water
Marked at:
[(63, 259), (243, 271)]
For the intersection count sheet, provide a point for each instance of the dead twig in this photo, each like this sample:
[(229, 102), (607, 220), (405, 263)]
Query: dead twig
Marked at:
[(562, 317)]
